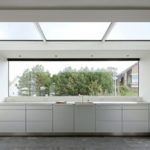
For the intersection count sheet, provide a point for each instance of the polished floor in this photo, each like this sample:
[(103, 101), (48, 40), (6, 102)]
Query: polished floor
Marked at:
[(74, 143)]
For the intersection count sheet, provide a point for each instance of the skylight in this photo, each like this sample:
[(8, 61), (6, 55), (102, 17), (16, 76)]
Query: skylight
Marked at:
[(130, 31), (74, 30), (18, 31)]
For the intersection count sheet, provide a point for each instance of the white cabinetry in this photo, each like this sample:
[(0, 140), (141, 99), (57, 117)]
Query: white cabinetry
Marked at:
[(84, 118), (39, 118), (12, 118), (135, 118), (63, 118), (108, 118)]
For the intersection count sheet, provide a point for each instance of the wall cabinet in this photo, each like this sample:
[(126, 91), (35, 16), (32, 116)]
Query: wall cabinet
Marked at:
[(63, 118), (84, 118)]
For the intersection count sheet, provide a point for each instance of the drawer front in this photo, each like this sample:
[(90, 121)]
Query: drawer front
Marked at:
[(39, 106), (84, 119), (108, 106), (108, 115), (12, 107), (63, 118), (135, 106), (12, 115), (108, 126), (39, 127), (135, 126), (12, 127), (39, 115), (135, 115)]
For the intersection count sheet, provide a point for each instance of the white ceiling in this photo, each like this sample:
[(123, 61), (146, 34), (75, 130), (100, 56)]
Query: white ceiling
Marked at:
[(67, 10), (45, 4)]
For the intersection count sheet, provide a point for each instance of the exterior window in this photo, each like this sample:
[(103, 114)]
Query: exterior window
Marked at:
[(73, 78)]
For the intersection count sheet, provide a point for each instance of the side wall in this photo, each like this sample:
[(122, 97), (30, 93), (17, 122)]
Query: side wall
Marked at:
[(3, 79), (144, 78)]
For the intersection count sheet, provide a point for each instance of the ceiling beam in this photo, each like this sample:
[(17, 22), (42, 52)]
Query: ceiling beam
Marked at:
[(39, 29), (75, 15), (69, 45), (109, 29)]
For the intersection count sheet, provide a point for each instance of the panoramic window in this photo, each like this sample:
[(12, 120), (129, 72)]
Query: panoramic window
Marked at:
[(73, 78)]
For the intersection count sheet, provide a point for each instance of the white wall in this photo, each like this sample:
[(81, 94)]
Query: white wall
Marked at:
[(144, 78), (3, 79)]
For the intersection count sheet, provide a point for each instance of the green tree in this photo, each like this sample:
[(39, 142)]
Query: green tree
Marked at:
[(33, 81)]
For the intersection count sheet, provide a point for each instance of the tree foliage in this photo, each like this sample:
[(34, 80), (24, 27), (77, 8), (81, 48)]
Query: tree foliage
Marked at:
[(67, 82)]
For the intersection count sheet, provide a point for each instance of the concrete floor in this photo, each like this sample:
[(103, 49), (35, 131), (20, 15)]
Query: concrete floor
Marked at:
[(74, 143)]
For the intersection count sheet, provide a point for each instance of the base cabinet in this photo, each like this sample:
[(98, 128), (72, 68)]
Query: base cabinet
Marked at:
[(38, 119), (108, 118), (12, 118), (63, 118), (135, 118), (84, 118)]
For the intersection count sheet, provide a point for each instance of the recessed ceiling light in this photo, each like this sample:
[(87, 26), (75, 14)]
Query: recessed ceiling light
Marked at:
[(92, 55)]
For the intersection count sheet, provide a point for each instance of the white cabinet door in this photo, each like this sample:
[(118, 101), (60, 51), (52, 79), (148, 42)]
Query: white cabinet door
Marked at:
[(84, 118), (108, 118), (12, 115), (63, 118), (39, 115), (39, 119), (12, 127), (12, 118), (135, 115), (108, 115), (135, 126), (39, 127), (135, 118), (108, 126)]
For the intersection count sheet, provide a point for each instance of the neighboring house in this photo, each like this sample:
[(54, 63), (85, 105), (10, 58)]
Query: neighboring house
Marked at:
[(129, 77), (13, 90)]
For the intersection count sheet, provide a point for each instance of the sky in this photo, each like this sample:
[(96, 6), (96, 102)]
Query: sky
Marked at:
[(16, 68)]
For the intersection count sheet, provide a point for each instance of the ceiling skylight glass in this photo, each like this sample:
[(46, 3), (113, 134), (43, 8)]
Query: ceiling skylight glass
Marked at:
[(74, 30), (18, 31), (130, 31)]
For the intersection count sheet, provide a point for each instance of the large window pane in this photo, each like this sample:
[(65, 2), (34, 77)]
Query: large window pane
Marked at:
[(74, 30), (64, 78), (130, 31), (18, 31)]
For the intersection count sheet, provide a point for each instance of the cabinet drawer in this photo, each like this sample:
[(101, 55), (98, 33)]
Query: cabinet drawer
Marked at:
[(39, 127), (12, 115), (108, 126), (63, 116), (135, 126), (135, 106), (85, 118), (108, 114), (39, 106), (135, 115), (12, 127), (12, 107), (39, 115), (108, 106)]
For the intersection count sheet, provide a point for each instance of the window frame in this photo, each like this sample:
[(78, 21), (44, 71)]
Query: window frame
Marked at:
[(73, 59)]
